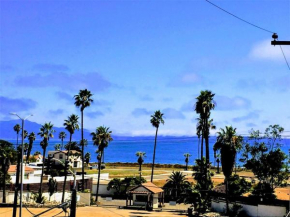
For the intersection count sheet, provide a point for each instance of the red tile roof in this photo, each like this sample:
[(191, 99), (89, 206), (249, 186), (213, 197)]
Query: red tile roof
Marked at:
[(149, 186), (12, 169)]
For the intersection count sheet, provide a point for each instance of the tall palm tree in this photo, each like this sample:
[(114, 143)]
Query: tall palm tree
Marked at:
[(101, 139), (31, 139), (7, 155), (218, 163), (186, 155), (140, 160), (176, 184), (25, 148), (203, 107), (199, 133), (25, 134), (46, 132), (17, 129), (156, 119), (71, 124), (83, 100), (87, 157), (62, 136), (227, 143)]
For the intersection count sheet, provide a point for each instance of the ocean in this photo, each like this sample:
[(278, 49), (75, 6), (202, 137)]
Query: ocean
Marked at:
[(168, 150)]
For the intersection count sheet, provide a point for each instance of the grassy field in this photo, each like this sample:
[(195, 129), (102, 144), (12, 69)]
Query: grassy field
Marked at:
[(125, 172)]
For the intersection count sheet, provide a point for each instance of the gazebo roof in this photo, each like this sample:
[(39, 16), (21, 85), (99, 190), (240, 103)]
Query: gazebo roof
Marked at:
[(149, 186)]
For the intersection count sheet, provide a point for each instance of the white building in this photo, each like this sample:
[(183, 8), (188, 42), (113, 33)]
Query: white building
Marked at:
[(75, 160), (146, 195), (29, 174)]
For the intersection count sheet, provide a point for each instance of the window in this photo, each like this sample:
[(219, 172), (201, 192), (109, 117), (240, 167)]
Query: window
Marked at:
[(141, 198), (75, 164), (61, 156)]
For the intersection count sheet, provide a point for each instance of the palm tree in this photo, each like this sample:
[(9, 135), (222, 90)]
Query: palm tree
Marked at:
[(83, 100), (25, 148), (140, 160), (71, 124), (87, 158), (52, 186), (17, 129), (46, 132), (62, 136), (25, 134), (203, 107), (176, 184), (57, 147), (228, 142), (101, 139), (7, 155), (199, 133), (156, 119), (31, 139), (218, 163), (186, 155)]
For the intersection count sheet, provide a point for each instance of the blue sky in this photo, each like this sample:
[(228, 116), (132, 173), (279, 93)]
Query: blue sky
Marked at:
[(140, 56)]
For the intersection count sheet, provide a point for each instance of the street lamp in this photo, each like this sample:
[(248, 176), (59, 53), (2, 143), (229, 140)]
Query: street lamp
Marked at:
[(22, 151)]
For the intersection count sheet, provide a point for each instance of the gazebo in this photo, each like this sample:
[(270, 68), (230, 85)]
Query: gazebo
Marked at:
[(145, 195)]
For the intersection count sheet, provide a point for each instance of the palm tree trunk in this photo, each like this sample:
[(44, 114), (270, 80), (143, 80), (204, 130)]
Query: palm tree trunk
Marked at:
[(99, 174), (28, 152), (83, 168), (236, 164), (17, 138), (140, 169), (41, 177), (152, 172), (103, 161), (198, 147), (207, 142), (201, 153), (227, 196), (61, 144), (4, 184), (218, 168), (186, 167), (65, 172)]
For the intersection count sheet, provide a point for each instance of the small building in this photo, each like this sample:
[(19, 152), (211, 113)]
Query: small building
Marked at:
[(28, 173), (75, 160), (146, 195)]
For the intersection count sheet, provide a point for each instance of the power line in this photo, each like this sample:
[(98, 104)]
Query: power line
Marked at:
[(249, 24), (284, 57), (239, 17)]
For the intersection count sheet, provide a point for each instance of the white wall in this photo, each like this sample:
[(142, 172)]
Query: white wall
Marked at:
[(251, 210), (26, 196), (84, 197), (103, 190), (271, 210)]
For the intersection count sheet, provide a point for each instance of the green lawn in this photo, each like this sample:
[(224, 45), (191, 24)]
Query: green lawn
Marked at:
[(123, 171)]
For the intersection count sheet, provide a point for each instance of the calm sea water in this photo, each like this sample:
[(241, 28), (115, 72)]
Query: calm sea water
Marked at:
[(168, 150)]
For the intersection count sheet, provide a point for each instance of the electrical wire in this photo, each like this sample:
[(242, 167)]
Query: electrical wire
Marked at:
[(239, 18), (266, 30), (284, 57)]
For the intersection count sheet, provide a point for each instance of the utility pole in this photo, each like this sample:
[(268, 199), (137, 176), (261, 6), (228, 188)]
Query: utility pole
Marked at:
[(274, 42)]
